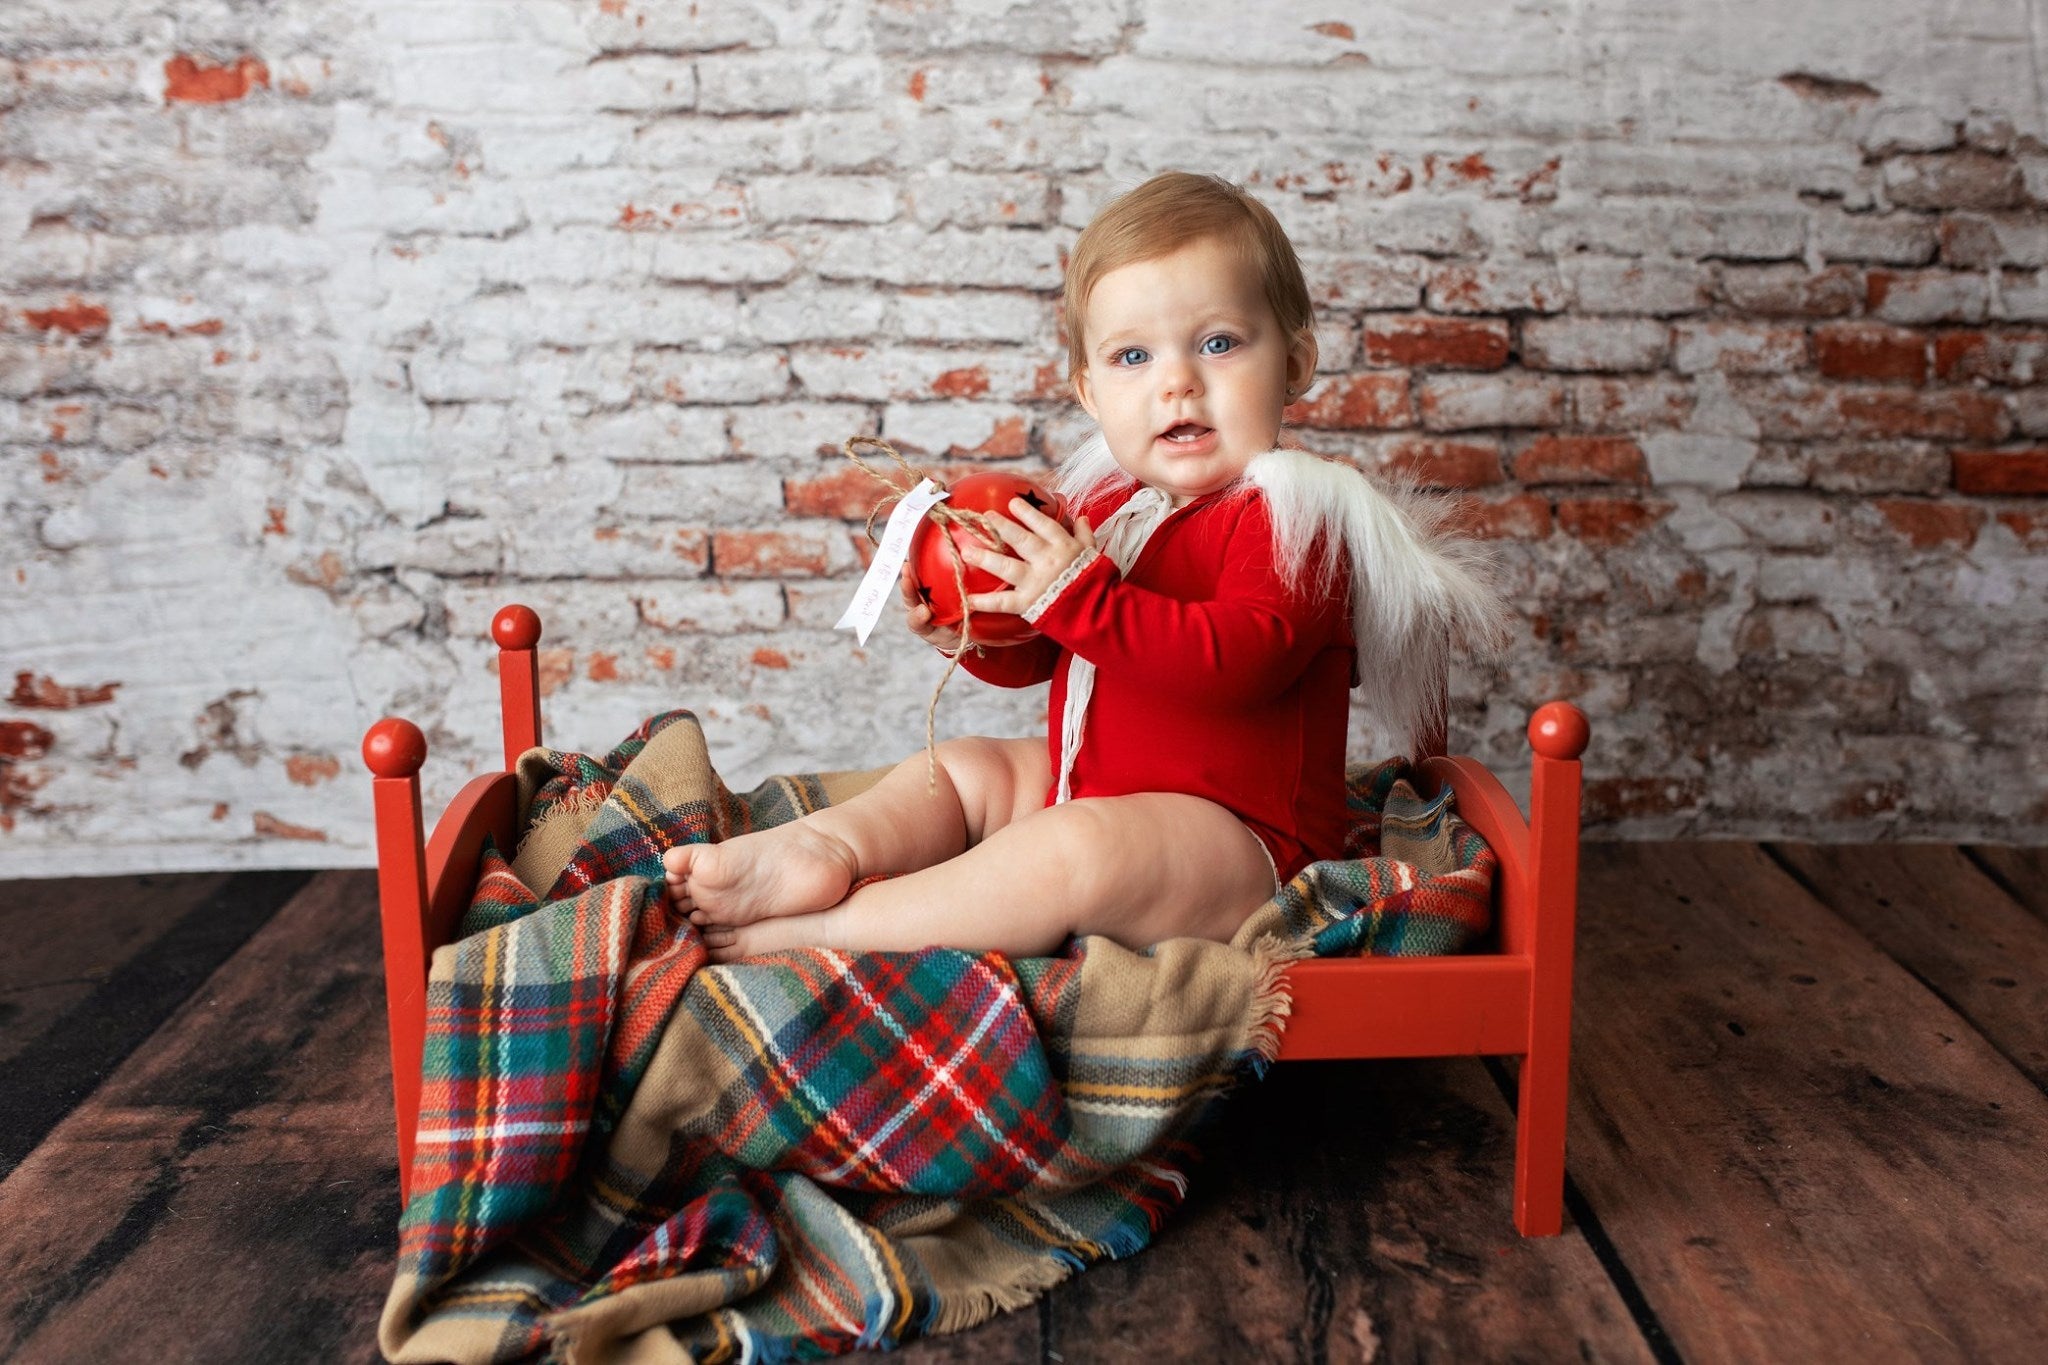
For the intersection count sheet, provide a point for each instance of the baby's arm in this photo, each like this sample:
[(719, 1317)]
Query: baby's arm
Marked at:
[(1247, 643)]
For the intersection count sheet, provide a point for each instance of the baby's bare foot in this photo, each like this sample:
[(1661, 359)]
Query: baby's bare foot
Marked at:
[(792, 869), (822, 929)]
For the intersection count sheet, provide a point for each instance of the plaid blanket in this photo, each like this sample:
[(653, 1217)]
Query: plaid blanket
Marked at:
[(625, 1154)]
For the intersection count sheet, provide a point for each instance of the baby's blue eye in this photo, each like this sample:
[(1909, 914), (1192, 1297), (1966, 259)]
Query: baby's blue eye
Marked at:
[(1123, 356), (1229, 343)]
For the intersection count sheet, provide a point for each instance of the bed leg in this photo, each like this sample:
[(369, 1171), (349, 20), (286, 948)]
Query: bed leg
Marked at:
[(1558, 733), (394, 750), (517, 631)]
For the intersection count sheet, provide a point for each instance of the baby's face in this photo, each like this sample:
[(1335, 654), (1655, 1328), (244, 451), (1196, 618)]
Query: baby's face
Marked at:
[(1188, 368)]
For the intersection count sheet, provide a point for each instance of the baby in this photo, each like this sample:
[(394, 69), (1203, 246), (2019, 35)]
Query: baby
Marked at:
[(1201, 626)]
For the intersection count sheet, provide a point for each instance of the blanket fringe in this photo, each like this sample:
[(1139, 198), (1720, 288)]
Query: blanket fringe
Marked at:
[(578, 804), (1272, 1000), (971, 1308)]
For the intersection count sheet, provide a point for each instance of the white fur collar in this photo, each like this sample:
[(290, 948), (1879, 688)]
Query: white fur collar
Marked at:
[(1416, 589)]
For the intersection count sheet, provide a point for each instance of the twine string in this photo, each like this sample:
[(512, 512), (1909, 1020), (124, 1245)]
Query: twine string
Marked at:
[(979, 524)]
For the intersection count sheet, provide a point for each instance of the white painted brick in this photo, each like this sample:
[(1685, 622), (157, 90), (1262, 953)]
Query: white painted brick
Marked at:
[(1018, 260), (1924, 297), (712, 608), (707, 260), (824, 198), (698, 377), (678, 28), (2023, 298), (653, 315), (979, 315), (782, 81), (742, 493), (1603, 284), (1056, 28), (1737, 347), (648, 431), (1890, 238), (878, 373), (1611, 344), (809, 312), (734, 146), (792, 431), (974, 201), (963, 431)]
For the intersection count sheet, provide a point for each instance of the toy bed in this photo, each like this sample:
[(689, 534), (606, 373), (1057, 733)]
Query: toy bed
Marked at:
[(1510, 998)]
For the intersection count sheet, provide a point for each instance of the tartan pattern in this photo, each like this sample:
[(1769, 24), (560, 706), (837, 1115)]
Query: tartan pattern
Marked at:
[(623, 1149)]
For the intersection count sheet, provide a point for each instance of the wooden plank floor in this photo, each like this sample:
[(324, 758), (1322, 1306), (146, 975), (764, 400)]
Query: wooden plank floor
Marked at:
[(1809, 1122)]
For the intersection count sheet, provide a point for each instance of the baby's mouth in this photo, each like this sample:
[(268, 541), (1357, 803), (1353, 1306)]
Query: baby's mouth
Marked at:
[(1185, 433)]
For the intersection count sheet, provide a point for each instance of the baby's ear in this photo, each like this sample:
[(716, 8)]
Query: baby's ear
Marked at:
[(1083, 394), (1302, 354)]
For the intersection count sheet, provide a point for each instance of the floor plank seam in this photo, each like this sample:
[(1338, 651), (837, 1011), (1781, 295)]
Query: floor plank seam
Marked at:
[(1996, 877), (85, 1045), (1955, 1007), (1640, 1310)]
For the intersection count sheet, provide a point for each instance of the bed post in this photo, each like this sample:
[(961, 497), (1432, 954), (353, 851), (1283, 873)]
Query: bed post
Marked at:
[(1558, 733), (394, 749), (517, 631)]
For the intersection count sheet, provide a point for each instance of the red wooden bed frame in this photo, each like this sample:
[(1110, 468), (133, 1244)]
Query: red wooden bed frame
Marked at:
[(1514, 1000)]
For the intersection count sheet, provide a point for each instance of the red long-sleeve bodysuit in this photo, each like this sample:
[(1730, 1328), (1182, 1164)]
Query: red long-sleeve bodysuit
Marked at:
[(1211, 678)]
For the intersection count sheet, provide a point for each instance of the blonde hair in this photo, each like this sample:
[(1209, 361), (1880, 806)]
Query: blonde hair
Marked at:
[(1165, 214)]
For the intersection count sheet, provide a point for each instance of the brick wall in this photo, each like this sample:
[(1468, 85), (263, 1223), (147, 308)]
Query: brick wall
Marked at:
[(326, 328)]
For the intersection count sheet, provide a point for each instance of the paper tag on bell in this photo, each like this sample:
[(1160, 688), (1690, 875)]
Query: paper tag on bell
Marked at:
[(880, 583)]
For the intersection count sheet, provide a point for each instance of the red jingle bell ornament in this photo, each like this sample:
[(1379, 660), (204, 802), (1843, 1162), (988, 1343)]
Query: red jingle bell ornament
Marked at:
[(934, 568)]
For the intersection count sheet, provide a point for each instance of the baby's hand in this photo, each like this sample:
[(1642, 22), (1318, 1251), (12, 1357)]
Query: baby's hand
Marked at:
[(1042, 549), (920, 616)]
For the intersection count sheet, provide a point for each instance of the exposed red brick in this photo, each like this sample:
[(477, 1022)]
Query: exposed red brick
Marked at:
[(1445, 343), (1358, 402), (767, 554), (1525, 516), (79, 319), (310, 770), (32, 693), (1870, 352), (273, 523), (2001, 471), (270, 827), (1446, 464), (24, 739), (917, 83), (220, 810), (1609, 521), (1333, 29), (662, 657), (1582, 459), (971, 382), (1955, 415), (602, 667), (2031, 527), (1928, 525), (1631, 404), (1994, 357), (1623, 798), (18, 786), (1790, 290), (185, 79), (1050, 381), (1010, 438), (554, 666), (1957, 180), (848, 494), (770, 658)]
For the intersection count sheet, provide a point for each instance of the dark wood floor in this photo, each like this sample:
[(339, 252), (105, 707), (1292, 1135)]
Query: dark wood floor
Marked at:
[(1808, 1124)]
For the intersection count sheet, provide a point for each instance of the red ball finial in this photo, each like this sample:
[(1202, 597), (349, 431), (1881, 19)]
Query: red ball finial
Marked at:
[(1559, 730), (394, 748), (516, 627)]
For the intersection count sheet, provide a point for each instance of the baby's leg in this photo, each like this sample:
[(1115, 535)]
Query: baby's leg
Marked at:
[(1138, 869), (897, 825)]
